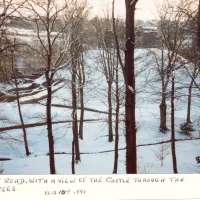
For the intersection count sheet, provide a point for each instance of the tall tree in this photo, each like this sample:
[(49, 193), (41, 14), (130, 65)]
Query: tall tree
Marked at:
[(173, 35), (74, 54), (81, 79), (107, 60), (77, 71), (82, 35), (119, 96), (116, 118), (173, 147), (130, 104), (117, 91), (12, 50), (191, 11)]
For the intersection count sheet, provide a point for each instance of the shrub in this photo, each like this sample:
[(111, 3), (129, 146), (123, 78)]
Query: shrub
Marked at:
[(186, 128)]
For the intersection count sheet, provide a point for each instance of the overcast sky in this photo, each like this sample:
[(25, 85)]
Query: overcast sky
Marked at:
[(146, 8)]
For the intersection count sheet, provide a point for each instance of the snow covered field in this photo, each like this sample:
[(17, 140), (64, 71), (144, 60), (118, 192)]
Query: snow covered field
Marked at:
[(93, 159)]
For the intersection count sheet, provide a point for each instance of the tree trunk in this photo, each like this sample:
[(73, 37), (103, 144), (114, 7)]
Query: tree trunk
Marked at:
[(189, 103), (131, 149), (163, 105), (73, 165), (173, 130), (49, 128), (81, 92), (48, 112), (74, 114), (110, 132), (116, 123), (163, 115), (20, 113), (23, 128), (74, 50), (81, 114)]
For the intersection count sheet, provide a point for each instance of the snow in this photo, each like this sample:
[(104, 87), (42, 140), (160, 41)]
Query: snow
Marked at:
[(40, 94), (95, 139), (132, 2), (131, 89), (41, 79), (39, 165)]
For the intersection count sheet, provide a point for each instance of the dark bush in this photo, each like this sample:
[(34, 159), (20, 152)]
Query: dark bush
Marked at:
[(186, 128)]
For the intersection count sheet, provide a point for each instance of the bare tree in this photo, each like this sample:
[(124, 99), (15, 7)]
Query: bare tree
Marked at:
[(81, 77), (8, 48), (82, 34), (74, 50), (117, 92), (173, 147), (47, 16), (173, 35), (162, 153), (18, 102), (194, 72), (117, 96), (191, 12), (106, 46), (78, 74)]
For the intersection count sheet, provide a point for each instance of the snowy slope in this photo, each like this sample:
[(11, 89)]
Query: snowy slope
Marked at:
[(95, 139)]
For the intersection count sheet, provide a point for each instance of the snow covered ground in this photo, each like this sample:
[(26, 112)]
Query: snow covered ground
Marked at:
[(95, 139)]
